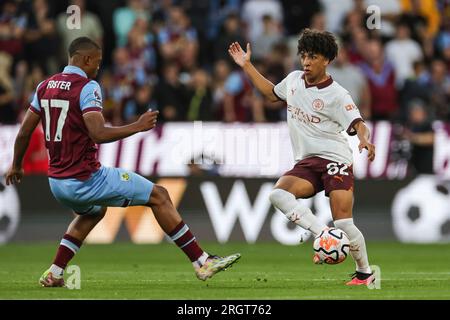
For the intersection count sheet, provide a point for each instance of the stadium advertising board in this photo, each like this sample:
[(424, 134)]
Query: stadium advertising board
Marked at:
[(237, 165), (242, 150), (238, 209)]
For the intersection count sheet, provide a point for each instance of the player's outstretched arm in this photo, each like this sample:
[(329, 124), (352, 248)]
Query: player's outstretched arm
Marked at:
[(15, 173), (364, 135), (242, 59), (99, 133)]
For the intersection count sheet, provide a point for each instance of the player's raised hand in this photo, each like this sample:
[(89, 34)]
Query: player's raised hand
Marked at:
[(369, 147), (239, 56), (147, 121), (13, 176)]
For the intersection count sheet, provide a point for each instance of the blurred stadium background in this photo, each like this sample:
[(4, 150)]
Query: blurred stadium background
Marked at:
[(172, 56)]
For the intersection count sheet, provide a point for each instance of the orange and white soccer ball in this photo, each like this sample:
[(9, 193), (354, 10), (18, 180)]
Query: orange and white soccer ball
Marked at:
[(331, 246)]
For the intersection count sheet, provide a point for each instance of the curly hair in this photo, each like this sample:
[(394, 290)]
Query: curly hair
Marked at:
[(318, 42)]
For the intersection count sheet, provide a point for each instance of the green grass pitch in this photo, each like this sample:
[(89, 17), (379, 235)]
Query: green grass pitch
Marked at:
[(265, 271)]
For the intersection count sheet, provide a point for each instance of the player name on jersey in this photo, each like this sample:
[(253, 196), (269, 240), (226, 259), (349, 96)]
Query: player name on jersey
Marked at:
[(63, 85)]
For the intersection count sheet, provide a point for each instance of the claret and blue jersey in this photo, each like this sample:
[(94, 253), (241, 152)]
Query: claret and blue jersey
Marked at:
[(61, 102), (76, 177)]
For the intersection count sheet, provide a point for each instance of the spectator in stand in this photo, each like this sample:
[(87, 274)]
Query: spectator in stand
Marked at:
[(238, 102), (12, 28), (171, 95), (438, 83), (35, 76), (415, 87), (357, 39), (221, 73), (231, 32), (8, 114), (403, 51), (253, 11), (423, 19), (41, 43), (124, 19), (111, 104), (352, 79), (200, 97), (178, 40), (422, 16), (318, 21), (280, 60), (266, 111), (123, 77), (354, 20), (335, 13), (432, 86), (297, 14), (219, 10), (271, 35), (419, 132), (141, 53), (141, 102), (442, 41), (90, 27), (381, 79)]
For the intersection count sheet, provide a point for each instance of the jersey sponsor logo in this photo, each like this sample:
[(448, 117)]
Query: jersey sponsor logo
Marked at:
[(300, 115), (293, 91), (318, 104), (97, 95)]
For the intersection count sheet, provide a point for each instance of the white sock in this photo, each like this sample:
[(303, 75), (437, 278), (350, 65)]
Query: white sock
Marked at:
[(300, 215), (357, 244), (201, 260), (57, 272)]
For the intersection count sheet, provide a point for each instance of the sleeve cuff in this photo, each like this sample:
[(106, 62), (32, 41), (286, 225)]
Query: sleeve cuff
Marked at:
[(279, 98), (34, 110), (92, 109), (351, 130)]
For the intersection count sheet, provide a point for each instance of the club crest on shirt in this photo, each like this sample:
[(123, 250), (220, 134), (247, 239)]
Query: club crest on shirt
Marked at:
[(97, 95), (318, 104), (124, 176), (293, 90)]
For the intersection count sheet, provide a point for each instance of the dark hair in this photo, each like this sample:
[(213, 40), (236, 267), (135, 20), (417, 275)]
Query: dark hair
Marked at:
[(318, 42), (82, 43)]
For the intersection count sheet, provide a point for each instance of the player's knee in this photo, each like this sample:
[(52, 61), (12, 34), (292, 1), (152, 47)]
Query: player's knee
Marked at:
[(282, 199), (341, 212), (101, 213), (159, 196)]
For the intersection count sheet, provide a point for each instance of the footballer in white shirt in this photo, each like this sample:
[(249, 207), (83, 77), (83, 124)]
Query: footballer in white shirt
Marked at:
[(318, 111)]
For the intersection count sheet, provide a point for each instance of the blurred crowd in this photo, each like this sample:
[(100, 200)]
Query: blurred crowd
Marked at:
[(172, 56)]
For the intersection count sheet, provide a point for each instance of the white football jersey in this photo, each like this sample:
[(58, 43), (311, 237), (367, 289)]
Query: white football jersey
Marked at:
[(317, 116)]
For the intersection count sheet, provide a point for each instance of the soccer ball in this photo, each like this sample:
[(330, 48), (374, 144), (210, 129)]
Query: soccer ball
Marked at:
[(331, 246)]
